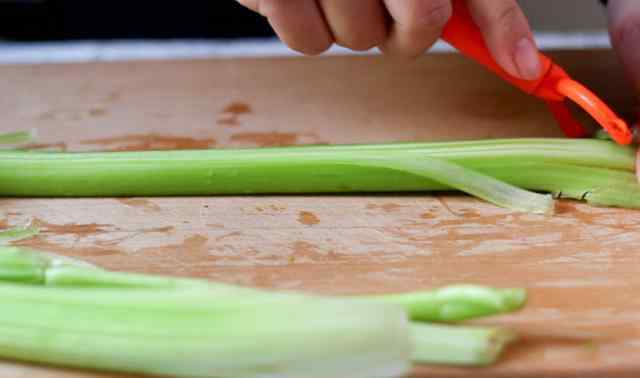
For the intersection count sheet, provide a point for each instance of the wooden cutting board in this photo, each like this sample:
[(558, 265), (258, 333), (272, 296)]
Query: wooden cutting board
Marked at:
[(580, 265)]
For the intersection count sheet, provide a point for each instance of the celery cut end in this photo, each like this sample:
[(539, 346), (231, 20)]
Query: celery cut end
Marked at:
[(459, 345)]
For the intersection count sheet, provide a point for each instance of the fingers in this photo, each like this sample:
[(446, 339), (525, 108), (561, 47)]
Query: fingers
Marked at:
[(400, 27), (624, 26), (508, 36), (356, 24), (417, 25), (298, 23)]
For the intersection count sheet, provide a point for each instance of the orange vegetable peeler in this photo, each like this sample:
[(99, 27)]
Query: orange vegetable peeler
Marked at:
[(554, 86)]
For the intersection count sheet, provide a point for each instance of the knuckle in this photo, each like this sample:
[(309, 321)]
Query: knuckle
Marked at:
[(431, 14), (508, 16)]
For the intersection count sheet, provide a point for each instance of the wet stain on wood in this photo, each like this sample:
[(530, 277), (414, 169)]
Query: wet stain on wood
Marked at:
[(71, 228), (272, 139), (141, 203), (231, 114), (566, 207), (161, 230), (428, 215), (228, 120), (60, 146), (142, 142), (308, 218), (469, 213), (237, 108), (42, 244), (193, 248), (386, 207)]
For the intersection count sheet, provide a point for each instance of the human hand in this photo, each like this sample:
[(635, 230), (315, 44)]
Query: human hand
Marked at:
[(400, 27), (624, 27)]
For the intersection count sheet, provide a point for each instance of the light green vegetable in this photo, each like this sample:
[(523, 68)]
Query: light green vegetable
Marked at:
[(475, 346), (64, 311), (17, 233), (20, 137), (202, 333), (466, 180), (598, 171), (457, 303), (449, 304), (189, 329)]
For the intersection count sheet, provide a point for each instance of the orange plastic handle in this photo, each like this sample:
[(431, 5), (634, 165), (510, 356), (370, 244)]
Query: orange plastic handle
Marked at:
[(462, 33), (616, 127), (553, 86)]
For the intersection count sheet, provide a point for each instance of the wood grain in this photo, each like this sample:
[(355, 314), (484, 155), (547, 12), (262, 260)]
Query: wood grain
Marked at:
[(580, 265)]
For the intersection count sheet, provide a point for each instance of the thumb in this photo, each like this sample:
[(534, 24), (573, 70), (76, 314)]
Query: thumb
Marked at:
[(508, 35), (624, 28)]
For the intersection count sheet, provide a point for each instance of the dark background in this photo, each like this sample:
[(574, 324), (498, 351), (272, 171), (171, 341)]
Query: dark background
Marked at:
[(29, 20)]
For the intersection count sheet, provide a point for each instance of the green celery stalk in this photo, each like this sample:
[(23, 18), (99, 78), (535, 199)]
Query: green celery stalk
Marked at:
[(448, 304), (533, 164), (457, 177), (457, 303), (19, 137), (597, 186), (473, 346), (186, 327), (23, 265)]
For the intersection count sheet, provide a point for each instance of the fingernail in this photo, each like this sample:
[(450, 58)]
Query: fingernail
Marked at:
[(527, 60)]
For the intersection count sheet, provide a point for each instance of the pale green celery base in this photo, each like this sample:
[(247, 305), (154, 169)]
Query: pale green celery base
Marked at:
[(201, 333), (459, 345), (127, 322)]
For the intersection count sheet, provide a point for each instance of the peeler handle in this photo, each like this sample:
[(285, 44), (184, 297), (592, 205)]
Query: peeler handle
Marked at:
[(553, 86), (462, 33)]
